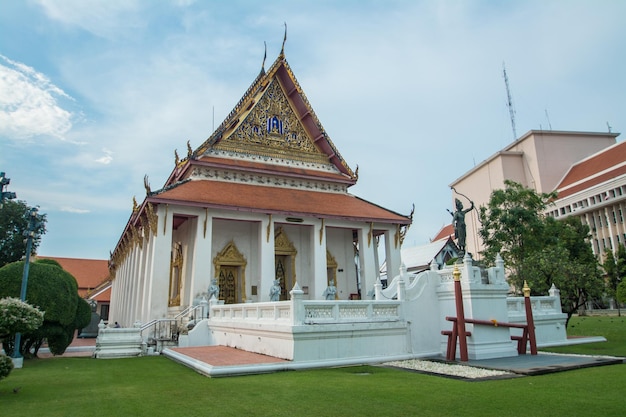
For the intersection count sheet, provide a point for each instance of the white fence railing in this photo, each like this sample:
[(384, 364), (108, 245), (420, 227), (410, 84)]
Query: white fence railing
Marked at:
[(310, 311)]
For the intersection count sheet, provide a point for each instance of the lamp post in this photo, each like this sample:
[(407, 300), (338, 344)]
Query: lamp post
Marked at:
[(5, 195), (33, 224)]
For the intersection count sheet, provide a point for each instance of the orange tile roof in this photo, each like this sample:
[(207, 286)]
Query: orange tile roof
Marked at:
[(602, 161), (293, 202), (445, 232), (89, 273)]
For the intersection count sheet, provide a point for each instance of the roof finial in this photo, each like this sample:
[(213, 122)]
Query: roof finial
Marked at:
[(264, 57), (282, 50)]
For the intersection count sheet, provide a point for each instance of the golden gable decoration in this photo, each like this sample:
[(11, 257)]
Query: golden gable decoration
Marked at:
[(272, 129)]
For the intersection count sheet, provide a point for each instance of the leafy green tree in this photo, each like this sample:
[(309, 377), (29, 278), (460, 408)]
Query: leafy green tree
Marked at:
[(513, 224), (13, 224), (55, 292), (16, 316), (567, 261), (615, 269), (538, 248)]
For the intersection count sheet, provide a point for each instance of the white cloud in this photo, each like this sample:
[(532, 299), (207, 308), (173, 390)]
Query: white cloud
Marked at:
[(29, 103), (103, 18), (69, 209), (106, 159)]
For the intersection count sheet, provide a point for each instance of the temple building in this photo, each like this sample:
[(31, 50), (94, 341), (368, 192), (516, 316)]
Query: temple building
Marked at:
[(264, 198)]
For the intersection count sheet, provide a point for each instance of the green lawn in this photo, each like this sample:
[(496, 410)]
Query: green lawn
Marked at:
[(155, 386)]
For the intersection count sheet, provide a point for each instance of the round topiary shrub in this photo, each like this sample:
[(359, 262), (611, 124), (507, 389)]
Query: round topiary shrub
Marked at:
[(6, 365)]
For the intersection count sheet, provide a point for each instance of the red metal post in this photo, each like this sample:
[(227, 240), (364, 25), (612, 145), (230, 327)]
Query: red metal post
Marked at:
[(460, 315), (530, 322)]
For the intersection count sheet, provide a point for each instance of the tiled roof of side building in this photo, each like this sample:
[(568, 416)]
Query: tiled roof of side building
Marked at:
[(594, 164), (89, 273), (288, 201), (445, 232)]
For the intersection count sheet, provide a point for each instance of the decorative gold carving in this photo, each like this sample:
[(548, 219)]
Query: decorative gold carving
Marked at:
[(396, 236), (165, 219), (272, 128), (206, 219), (269, 226), (135, 205), (176, 158), (230, 269), (282, 244), (146, 184), (189, 150), (405, 228), (176, 274), (370, 234), (153, 219), (331, 270), (284, 250), (322, 232)]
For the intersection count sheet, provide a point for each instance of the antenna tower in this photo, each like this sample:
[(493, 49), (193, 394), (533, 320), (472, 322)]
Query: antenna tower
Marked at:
[(509, 102)]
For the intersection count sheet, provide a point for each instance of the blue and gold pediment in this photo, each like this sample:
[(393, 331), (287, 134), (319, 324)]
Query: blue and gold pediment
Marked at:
[(271, 128)]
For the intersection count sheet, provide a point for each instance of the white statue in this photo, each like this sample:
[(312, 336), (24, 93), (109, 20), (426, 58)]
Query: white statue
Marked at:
[(331, 291), (214, 289), (275, 291)]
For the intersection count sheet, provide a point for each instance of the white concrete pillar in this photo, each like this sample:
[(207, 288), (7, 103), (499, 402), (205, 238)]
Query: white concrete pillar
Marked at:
[(160, 279), (201, 264), (367, 261), (266, 258), (318, 256), (392, 252)]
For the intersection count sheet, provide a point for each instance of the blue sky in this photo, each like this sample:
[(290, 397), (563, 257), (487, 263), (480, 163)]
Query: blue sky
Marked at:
[(96, 94)]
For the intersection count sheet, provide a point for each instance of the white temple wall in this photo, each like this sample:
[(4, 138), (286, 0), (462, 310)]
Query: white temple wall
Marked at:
[(160, 264), (201, 263), (339, 244), (245, 236)]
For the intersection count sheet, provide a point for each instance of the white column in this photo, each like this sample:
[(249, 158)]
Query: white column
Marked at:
[(202, 263), (147, 279), (266, 258), (320, 273), (392, 253), (367, 261), (160, 279)]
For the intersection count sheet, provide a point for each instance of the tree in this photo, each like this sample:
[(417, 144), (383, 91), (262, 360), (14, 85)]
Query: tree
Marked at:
[(538, 248), (512, 224), (615, 269), (54, 291), (13, 224), (16, 316)]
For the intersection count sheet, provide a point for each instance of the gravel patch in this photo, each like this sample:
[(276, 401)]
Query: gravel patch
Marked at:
[(447, 369)]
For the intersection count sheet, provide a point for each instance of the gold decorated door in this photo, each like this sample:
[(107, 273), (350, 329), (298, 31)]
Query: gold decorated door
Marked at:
[(228, 282), (284, 275)]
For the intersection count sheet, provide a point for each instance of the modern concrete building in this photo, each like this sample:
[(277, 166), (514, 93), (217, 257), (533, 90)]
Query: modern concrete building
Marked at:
[(539, 160), (594, 189)]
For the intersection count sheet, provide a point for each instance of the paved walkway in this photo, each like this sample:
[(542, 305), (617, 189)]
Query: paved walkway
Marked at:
[(226, 356), (544, 363)]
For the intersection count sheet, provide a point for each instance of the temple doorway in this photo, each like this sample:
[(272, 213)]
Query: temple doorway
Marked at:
[(284, 262), (230, 267)]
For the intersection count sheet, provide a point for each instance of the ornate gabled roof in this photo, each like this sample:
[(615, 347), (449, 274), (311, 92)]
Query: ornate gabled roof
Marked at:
[(275, 120)]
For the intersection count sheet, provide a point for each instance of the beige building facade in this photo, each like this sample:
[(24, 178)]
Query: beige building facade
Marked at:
[(539, 160)]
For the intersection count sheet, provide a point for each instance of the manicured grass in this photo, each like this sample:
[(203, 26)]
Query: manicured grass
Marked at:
[(613, 328), (156, 386)]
